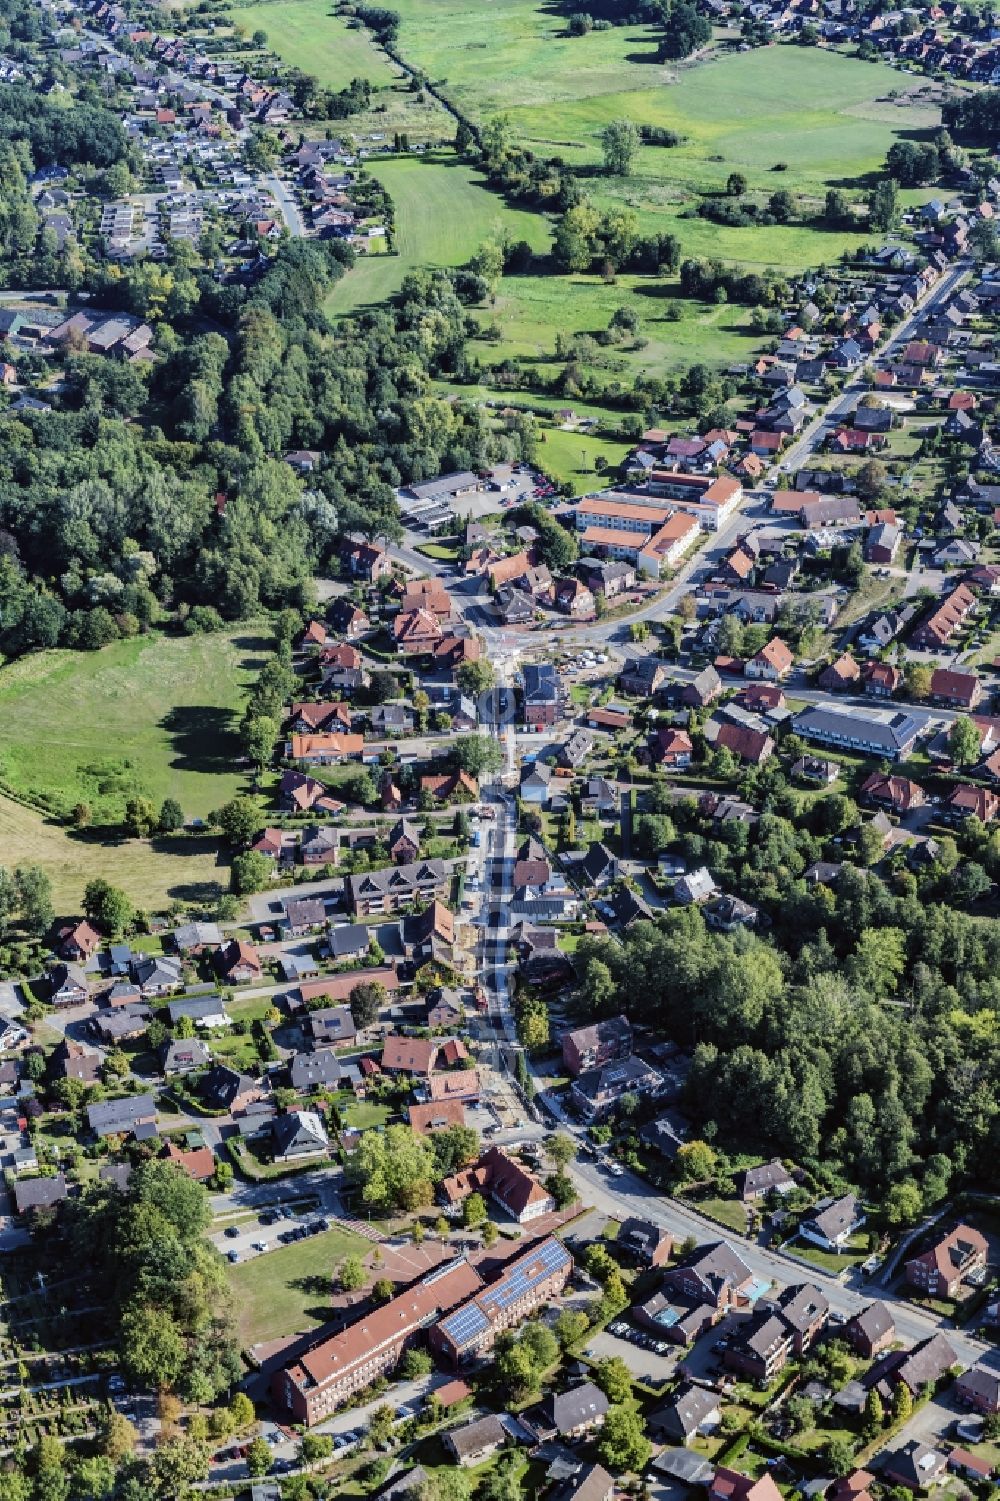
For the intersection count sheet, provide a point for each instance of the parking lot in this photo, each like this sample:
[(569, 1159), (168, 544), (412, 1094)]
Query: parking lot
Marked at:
[(268, 1231), (645, 1364)]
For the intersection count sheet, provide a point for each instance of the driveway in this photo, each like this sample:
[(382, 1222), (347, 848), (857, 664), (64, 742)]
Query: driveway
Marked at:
[(929, 1425)]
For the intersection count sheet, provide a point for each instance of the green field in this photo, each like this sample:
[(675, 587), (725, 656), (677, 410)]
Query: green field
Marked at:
[(152, 872), (569, 457), (155, 715), (289, 1290), (307, 35), (443, 215)]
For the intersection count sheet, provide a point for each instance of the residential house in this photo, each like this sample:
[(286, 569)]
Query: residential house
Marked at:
[(79, 942), (203, 1010), (34, 1195), (941, 625), (644, 1243), (72, 1061), (672, 748), (641, 677), (238, 963), (571, 1414), (298, 1135), (318, 1070), (598, 1091), (969, 801), (416, 632), (873, 732), (476, 1442), (195, 938), (955, 1258), (436, 1115), (157, 975), (915, 1466), (598, 867), (896, 793), (507, 1182), (979, 1388), (730, 1485), (226, 1089), (128, 1116), (396, 886), (956, 690), (689, 1412), (586, 1483), (695, 887), (841, 675), (404, 842), (68, 985), (182, 1055), (596, 1044), (451, 787), (334, 1024), (727, 913), (772, 663), (871, 1331), (833, 1223), (770, 1177), (541, 696), (304, 914), (760, 1347)]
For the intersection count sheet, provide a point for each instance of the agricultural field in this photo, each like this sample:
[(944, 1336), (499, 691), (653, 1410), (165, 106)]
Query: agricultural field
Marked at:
[(443, 215), (174, 702)]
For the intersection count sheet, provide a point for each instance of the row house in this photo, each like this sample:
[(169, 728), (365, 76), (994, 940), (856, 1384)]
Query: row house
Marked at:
[(396, 886)]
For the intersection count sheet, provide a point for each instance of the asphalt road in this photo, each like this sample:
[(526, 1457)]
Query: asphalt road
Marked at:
[(628, 1195)]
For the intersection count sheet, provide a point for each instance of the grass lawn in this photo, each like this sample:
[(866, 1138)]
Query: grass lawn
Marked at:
[(833, 1261), (443, 215), (531, 310), (156, 715), (440, 551), (363, 1115), (569, 457), (727, 1211), (827, 117), (288, 1290)]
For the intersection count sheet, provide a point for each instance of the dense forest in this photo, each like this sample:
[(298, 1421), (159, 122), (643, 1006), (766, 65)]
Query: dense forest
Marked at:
[(857, 1035), (145, 495)]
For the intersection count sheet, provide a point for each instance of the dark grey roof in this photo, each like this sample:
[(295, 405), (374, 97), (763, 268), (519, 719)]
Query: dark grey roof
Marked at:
[(352, 939), (874, 1321), (568, 1410), (312, 1070), (837, 1216), (108, 1117), (801, 1305), (891, 734), (685, 1411)]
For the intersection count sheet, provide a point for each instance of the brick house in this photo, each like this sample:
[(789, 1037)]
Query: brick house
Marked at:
[(941, 1270)]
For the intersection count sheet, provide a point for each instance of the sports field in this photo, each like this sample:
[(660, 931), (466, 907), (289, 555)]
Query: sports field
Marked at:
[(443, 215), (156, 716)]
